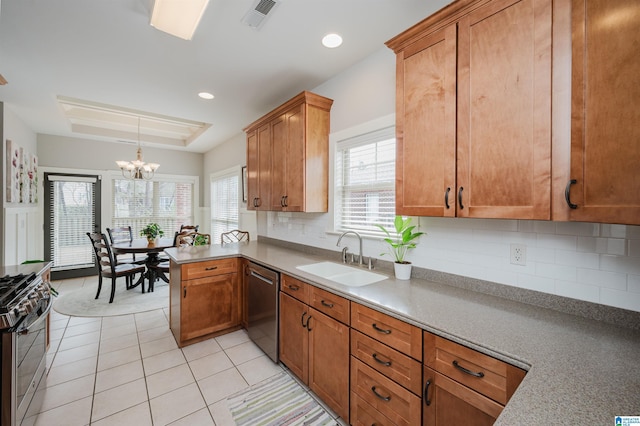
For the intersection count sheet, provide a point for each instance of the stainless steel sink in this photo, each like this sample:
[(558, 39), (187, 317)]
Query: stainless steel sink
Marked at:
[(342, 274)]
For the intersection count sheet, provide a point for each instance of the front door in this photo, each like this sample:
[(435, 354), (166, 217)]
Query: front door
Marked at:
[(72, 208)]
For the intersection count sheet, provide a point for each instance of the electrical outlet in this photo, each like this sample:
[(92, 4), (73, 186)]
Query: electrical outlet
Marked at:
[(518, 254)]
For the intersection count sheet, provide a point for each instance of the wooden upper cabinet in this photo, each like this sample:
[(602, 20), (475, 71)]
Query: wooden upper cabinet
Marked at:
[(504, 111), (473, 117), (259, 168), (426, 126), (605, 114), (298, 177)]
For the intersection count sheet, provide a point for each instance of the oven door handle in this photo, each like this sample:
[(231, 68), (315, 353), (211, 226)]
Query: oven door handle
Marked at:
[(41, 317)]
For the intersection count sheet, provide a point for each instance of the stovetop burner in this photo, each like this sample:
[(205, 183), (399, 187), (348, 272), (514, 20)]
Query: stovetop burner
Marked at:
[(11, 286)]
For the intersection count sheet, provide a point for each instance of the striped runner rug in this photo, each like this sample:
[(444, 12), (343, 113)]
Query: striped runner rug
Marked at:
[(277, 402)]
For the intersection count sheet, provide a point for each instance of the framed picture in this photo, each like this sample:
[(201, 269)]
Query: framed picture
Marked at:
[(244, 184)]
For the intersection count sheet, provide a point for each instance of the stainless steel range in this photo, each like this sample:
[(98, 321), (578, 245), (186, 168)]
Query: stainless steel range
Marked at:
[(25, 301)]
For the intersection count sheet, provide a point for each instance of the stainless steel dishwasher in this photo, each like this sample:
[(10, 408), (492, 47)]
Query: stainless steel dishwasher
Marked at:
[(262, 307)]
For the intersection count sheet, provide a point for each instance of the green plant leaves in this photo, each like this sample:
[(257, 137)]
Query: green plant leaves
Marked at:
[(403, 239)]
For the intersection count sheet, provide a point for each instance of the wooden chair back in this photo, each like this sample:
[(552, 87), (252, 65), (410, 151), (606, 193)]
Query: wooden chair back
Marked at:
[(193, 239), (189, 228), (122, 234), (234, 236), (104, 255)]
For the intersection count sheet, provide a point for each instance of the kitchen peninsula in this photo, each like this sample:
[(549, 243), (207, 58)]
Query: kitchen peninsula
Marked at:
[(579, 371)]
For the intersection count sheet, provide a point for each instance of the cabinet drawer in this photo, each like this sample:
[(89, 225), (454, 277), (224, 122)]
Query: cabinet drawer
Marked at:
[(398, 367), (295, 288), (330, 304), (363, 414), (387, 397), (209, 268), (392, 332), (489, 376)]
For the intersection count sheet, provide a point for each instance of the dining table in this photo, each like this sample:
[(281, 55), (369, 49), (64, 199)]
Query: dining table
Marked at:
[(151, 249)]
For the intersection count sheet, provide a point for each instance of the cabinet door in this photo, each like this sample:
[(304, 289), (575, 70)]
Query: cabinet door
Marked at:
[(504, 111), (294, 337), (253, 170), (278, 162), (446, 402), (259, 168), (295, 181), (208, 305), (329, 361), (426, 126), (605, 112)]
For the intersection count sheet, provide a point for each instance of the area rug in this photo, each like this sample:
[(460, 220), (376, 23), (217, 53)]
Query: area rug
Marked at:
[(82, 302), (277, 401)]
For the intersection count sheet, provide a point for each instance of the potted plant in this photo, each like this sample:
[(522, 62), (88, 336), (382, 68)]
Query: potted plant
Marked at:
[(152, 231), (399, 244)]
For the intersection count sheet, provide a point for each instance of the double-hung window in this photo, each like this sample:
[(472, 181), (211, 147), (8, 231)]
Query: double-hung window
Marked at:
[(365, 182), (224, 203), (167, 202)]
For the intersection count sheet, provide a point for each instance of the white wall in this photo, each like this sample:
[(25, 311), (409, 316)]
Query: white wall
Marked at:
[(593, 262), (22, 227)]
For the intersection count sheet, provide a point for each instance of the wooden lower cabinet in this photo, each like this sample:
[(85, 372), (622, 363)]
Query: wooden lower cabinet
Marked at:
[(447, 402), (315, 347), (204, 299), (385, 396)]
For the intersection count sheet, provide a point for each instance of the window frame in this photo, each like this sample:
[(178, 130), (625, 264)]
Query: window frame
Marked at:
[(375, 130), (235, 171)]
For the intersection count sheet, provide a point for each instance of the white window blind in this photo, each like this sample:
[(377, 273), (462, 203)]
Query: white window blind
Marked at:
[(365, 182), (140, 202), (72, 215), (224, 205)]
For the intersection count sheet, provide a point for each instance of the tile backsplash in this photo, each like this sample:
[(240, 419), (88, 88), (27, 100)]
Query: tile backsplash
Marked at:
[(598, 263)]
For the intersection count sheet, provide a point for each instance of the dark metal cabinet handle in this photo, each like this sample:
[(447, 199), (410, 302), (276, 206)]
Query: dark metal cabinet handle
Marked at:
[(464, 370), (211, 268), (376, 328), (293, 287), (307, 325), (460, 198), (384, 398), (426, 393), (328, 305), (302, 319), (446, 198), (282, 201), (567, 194), (378, 360), (285, 201), (184, 292)]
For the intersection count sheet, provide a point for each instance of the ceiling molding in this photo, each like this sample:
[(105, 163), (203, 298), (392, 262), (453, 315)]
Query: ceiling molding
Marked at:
[(113, 122)]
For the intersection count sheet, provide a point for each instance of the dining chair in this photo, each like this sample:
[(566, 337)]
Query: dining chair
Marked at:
[(234, 236), (122, 234), (107, 266), (162, 268), (192, 228), (193, 239)]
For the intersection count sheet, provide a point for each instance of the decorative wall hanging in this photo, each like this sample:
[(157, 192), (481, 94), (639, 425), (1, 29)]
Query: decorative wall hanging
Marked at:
[(22, 175)]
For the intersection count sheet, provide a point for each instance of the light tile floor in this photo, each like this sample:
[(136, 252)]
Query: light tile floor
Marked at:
[(128, 370)]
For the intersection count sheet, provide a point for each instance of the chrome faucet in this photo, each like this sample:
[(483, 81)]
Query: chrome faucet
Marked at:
[(360, 262)]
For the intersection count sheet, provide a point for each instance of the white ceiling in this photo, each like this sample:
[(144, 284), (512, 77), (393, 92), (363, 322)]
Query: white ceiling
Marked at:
[(105, 51)]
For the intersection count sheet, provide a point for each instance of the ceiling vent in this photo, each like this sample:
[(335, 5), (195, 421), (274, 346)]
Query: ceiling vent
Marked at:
[(256, 15)]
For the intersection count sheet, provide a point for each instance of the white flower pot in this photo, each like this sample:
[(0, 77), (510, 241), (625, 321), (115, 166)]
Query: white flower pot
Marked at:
[(402, 270)]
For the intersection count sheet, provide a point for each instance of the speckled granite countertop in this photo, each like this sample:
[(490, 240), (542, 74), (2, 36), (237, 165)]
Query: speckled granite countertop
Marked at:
[(580, 371)]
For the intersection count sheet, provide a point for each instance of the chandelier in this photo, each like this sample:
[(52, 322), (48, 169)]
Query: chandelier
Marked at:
[(137, 169)]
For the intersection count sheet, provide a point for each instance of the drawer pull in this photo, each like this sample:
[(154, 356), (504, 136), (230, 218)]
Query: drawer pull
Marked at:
[(385, 363), (464, 370), (376, 328), (293, 287), (328, 305), (302, 318), (211, 268), (426, 393), (384, 398)]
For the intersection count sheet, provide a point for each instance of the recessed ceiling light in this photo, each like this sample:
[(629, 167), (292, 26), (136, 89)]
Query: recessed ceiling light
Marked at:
[(331, 40), (205, 95)]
